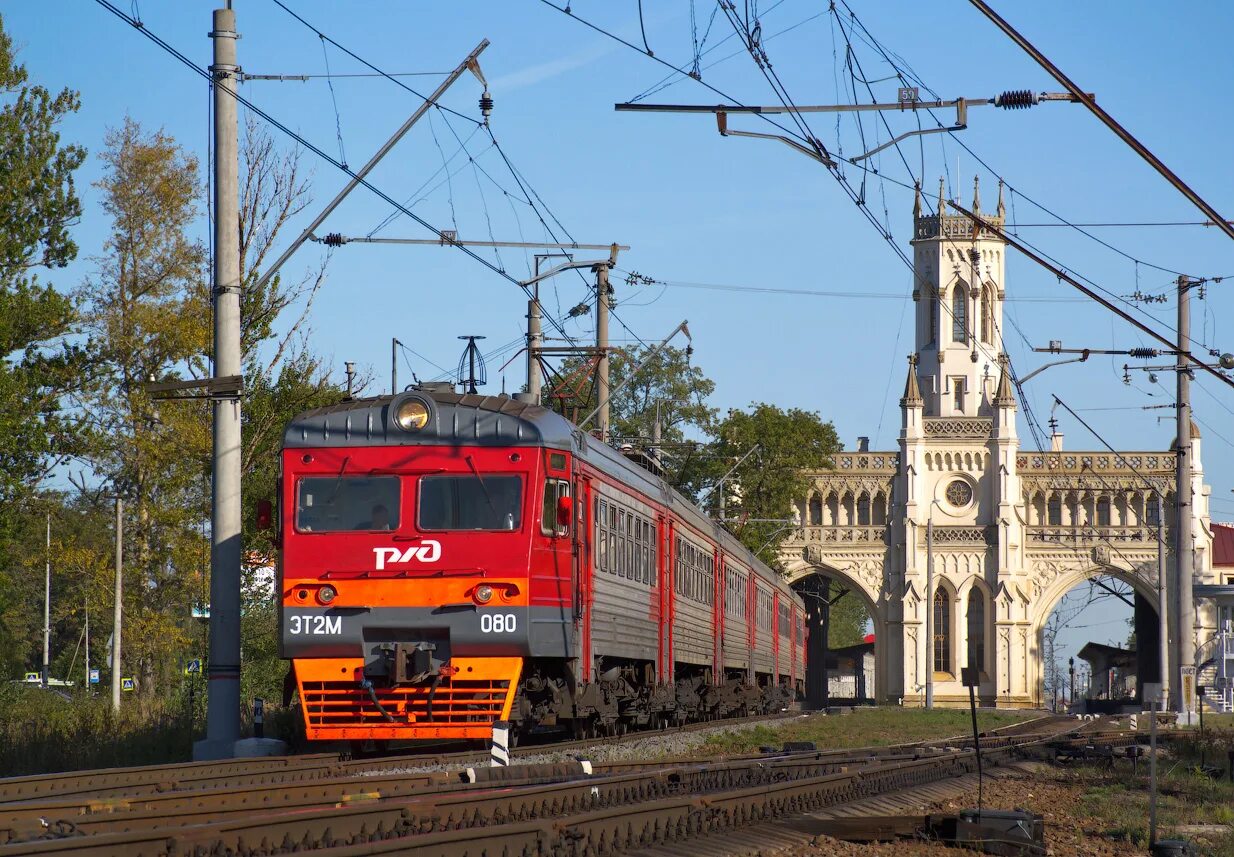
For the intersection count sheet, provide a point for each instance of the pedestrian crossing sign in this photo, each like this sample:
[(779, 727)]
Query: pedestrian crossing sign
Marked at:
[(193, 667), (127, 684)]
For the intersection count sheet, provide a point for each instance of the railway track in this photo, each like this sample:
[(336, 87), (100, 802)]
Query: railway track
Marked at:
[(121, 783), (339, 807)]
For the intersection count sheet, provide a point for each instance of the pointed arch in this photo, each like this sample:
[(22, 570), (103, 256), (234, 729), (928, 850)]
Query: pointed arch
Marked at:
[(975, 619), (880, 509), (1038, 514), (1054, 510), (987, 314), (816, 510), (940, 648), (959, 313), (863, 509), (1103, 511), (935, 298)]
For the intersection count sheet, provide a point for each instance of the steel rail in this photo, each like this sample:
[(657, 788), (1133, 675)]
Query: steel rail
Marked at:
[(118, 782), (460, 805)]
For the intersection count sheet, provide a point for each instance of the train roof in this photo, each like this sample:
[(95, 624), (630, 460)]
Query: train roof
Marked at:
[(453, 419), (496, 421)]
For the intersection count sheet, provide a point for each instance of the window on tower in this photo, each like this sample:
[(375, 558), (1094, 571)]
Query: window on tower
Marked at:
[(932, 333), (957, 392), (976, 629), (959, 313), (987, 315), (942, 632)]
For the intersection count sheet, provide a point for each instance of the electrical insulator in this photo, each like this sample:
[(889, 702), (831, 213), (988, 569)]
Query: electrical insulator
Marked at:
[(1016, 99), (486, 105), (333, 239), (1143, 353)]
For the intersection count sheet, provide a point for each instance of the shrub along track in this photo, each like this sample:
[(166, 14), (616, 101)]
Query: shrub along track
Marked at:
[(528, 809)]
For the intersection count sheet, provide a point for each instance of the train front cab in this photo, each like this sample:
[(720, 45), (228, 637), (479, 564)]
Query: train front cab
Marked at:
[(417, 624)]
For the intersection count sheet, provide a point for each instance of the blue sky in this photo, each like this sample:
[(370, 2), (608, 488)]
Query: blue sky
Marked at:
[(698, 208)]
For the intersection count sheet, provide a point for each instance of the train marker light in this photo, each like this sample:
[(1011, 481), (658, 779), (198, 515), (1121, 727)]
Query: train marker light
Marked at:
[(483, 594), (565, 506), (326, 594), (411, 415), (265, 514)]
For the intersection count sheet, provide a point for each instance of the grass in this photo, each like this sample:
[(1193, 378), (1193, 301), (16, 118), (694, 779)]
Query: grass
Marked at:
[(863, 728), (1118, 806), (43, 732)]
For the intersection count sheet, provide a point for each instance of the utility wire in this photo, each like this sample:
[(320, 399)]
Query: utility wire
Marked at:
[(518, 179), (365, 62), (146, 31)]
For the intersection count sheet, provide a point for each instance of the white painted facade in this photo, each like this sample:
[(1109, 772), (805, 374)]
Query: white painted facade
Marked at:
[(1014, 529)]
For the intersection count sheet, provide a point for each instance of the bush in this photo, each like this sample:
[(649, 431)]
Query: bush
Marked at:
[(42, 731)]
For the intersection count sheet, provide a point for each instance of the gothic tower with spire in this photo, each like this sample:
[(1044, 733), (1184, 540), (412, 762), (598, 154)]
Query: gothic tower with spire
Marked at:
[(958, 290), (1005, 533), (958, 455)]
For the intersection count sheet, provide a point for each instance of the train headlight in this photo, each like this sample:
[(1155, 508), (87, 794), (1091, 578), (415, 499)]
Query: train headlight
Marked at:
[(411, 415), (326, 594), (483, 593)]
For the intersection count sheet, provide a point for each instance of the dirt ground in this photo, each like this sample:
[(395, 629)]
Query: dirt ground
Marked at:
[(1072, 829)]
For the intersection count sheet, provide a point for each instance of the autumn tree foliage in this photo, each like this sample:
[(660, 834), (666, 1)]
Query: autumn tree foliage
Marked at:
[(43, 362)]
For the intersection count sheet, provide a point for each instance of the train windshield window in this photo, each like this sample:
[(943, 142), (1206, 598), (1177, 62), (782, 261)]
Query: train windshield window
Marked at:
[(347, 503), (471, 502)]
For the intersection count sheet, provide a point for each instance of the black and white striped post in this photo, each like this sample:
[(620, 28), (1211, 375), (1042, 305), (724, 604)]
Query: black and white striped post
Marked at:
[(499, 752)]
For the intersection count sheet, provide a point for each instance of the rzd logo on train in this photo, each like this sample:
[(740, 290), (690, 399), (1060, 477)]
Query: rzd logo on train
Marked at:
[(428, 550)]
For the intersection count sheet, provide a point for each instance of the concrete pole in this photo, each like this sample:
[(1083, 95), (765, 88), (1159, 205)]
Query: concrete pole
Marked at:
[(1163, 599), (1182, 489), (87, 645), (602, 307), (223, 696), (929, 600), (47, 608), (657, 436), (535, 341), (117, 619)]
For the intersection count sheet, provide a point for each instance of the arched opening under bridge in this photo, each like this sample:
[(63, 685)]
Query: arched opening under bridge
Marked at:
[(843, 625), (1098, 638)]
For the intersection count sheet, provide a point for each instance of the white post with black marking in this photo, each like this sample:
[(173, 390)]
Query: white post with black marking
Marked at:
[(499, 754)]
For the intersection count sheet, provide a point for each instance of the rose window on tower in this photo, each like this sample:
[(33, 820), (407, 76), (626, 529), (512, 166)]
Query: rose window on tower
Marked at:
[(959, 493)]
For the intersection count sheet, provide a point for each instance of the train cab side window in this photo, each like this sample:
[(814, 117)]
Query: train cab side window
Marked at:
[(347, 503), (554, 491)]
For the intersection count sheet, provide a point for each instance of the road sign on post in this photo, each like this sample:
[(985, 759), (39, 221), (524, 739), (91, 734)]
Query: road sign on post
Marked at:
[(193, 667), (94, 676), (128, 684)]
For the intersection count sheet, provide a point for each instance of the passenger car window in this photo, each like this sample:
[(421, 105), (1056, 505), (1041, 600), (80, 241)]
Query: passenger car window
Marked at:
[(471, 502), (327, 504)]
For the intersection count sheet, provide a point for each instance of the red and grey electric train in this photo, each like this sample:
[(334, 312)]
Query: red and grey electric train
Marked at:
[(453, 560)]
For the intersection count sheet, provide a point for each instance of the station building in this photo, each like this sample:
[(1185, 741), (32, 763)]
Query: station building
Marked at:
[(1014, 529)]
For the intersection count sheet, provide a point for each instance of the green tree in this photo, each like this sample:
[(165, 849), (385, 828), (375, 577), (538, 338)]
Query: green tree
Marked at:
[(147, 308), (670, 386), (38, 206), (759, 494)]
